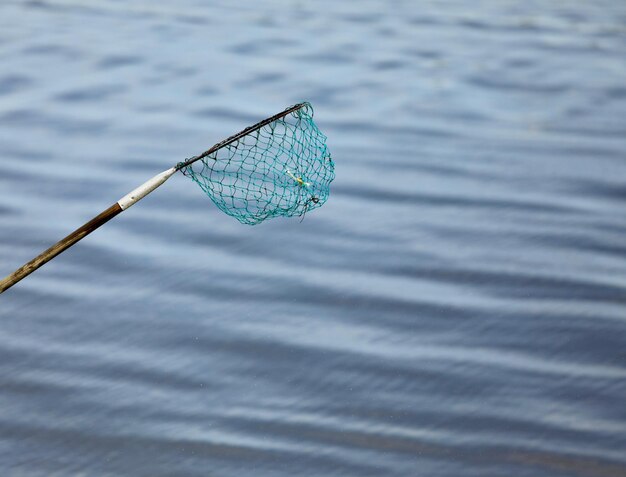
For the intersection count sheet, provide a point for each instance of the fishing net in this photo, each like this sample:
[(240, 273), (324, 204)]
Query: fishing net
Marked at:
[(278, 167)]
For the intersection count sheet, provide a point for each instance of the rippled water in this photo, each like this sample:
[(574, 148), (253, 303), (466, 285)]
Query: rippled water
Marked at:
[(457, 308)]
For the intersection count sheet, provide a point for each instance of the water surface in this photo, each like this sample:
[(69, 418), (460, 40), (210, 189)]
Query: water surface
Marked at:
[(457, 308)]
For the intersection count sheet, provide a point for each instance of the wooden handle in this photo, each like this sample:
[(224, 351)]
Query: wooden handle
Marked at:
[(59, 247)]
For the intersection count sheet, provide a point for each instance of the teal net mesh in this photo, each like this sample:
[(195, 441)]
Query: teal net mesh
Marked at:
[(282, 168)]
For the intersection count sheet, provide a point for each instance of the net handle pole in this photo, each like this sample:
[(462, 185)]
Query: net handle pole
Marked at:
[(81, 232)]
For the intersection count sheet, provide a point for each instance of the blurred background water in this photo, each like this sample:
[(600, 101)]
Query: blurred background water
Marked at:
[(457, 308)]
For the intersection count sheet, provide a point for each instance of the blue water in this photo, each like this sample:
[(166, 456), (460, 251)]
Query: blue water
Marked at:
[(457, 308)]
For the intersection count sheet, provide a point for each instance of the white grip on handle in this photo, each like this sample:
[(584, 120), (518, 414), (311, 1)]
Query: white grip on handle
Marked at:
[(145, 188)]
